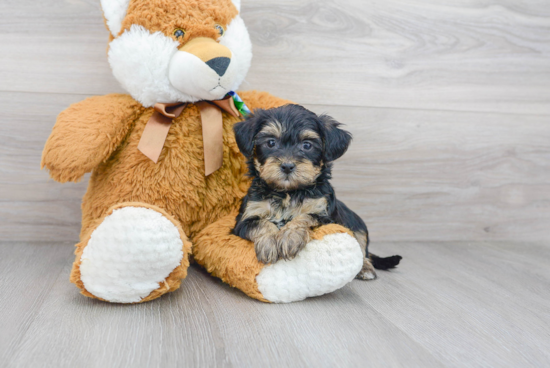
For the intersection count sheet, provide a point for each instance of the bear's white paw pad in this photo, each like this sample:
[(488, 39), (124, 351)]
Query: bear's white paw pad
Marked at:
[(322, 267), (129, 254)]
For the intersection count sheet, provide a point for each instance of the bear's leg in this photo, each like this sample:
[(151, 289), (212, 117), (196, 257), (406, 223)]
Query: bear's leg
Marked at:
[(135, 253), (327, 263)]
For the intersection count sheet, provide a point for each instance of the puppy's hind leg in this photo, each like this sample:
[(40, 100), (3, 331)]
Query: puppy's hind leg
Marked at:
[(367, 272)]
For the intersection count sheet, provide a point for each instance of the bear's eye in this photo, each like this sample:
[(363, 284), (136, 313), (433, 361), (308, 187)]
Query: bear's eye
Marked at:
[(179, 33), (307, 145), (271, 143), (220, 29)]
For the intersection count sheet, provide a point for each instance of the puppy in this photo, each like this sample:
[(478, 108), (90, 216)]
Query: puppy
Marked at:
[(290, 151)]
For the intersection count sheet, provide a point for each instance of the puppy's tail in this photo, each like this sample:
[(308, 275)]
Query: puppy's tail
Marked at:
[(384, 263)]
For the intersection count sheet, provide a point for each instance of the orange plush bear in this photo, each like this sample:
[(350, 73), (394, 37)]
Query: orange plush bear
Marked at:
[(167, 176)]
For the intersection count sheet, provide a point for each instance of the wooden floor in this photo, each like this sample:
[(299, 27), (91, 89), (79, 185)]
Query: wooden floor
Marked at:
[(449, 105), (449, 304)]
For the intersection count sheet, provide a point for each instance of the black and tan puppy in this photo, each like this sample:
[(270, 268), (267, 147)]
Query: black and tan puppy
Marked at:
[(290, 151)]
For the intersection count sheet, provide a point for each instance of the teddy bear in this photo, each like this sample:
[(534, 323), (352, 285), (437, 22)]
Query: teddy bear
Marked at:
[(167, 177)]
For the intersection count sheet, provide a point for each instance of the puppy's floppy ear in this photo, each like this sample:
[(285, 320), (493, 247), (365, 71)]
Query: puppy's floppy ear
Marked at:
[(245, 132), (336, 140)]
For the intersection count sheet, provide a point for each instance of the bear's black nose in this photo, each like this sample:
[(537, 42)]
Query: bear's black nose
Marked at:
[(219, 65), (288, 167)]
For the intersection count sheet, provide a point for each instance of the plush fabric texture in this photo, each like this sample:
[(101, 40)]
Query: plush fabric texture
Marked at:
[(176, 186), (238, 41), (228, 257), (149, 66), (130, 254), (177, 182), (237, 4), (140, 61), (330, 260), (117, 292), (166, 15), (142, 212), (114, 11), (323, 266), (190, 74), (145, 55), (87, 133)]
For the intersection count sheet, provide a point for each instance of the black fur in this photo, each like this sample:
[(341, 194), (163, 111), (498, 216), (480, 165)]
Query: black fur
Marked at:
[(385, 263), (333, 143)]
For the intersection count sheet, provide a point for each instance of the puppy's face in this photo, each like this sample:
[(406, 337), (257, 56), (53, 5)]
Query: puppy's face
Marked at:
[(288, 155), (289, 146)]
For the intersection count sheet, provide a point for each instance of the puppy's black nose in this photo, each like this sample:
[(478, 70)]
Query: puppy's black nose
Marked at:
[(219, 64), (288, 167)]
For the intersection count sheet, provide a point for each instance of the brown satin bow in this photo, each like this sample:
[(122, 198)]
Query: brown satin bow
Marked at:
[(155, 132)]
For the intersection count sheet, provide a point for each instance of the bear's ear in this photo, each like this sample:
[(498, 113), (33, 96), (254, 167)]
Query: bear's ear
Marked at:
[(336, 140), (237, 4), (115, 12)]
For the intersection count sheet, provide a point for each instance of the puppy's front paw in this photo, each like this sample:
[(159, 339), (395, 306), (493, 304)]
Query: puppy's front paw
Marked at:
[(291, 241), (266, 249)]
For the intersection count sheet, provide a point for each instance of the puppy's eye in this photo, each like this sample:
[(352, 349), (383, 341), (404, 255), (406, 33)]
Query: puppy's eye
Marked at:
[(179, 33), (220, 29), (307, 145), (271, 143)]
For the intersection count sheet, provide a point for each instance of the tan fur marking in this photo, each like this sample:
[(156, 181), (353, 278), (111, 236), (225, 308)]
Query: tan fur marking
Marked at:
[(273, 128), (309, 134), (287, 210), (362, 239), (286, 201), (265, 241), (257, 165), (314, 206), (272, 244), (259, 209), (317, 206), (294, 236), (270, 171), (304, 174), (367, 272)]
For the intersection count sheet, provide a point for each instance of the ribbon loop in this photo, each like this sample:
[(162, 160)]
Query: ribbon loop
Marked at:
[(157, 128), (170, 110)]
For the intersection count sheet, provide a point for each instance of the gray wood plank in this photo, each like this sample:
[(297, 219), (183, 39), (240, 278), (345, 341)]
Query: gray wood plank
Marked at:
[(71, 330), (333, 330), (27, 274), (207, 324), (477, 55), (421, 175), (492, 309), (32, 206), (471, 304)]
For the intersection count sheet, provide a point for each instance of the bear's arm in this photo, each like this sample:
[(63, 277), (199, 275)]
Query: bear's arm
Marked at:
[(261, 100), (87, 133)]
